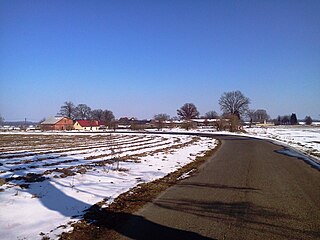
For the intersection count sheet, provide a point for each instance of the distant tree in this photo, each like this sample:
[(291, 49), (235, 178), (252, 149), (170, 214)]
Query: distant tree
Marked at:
[(82, 111), (160, 119), (188, 111), (124, 121), (67, 110), (250, 115), (108, 116), (260, 116), (285, 120), (293, 119), (308, 120), (1, 120), (211, 115), (278, 120), (97, 114), (234, 103)]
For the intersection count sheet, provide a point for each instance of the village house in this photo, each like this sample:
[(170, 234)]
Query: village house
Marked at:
[(85, 125), (57, 123)]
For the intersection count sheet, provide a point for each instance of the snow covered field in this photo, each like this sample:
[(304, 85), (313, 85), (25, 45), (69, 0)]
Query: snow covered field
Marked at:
[(48, 180), (303, 138)]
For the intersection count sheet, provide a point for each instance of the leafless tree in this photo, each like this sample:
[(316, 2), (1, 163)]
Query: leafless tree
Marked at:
[(160, 119), (188, 111), (97, 114), (108, 116), (82, 111), (261, 115), (1, 120), (211, 115), (308, 120), (250, 114), (234, 103), (67, 110)]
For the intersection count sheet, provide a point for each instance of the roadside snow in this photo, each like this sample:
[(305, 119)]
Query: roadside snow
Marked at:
[(49, 207), (305, 139)]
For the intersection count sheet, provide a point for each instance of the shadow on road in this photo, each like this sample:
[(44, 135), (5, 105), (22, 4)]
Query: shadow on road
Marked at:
[(136, 227), (244, 215)]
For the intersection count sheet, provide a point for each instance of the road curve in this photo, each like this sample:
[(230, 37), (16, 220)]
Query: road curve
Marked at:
[(247, 190)]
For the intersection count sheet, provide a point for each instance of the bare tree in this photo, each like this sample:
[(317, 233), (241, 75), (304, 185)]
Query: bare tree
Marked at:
[(97, 114), (67, 110), (250, 114), (211, 115), (308, 120), (108, 116), (82, 111), (234, 103), (285, 120), (160, 119), (257, 116), (261, 116), (188, 111), (1, 120)]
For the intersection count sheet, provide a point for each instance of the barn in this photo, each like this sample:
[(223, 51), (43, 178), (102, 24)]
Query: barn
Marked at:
[(57, 123)]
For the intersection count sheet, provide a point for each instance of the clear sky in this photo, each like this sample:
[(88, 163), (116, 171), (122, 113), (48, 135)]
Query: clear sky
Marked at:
[(140, 58)]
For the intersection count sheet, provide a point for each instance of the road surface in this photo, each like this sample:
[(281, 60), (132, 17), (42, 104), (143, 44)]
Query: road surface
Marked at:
[(247, 190)]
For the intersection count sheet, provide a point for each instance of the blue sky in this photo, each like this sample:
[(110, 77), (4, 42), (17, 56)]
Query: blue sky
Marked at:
[(140, 58)]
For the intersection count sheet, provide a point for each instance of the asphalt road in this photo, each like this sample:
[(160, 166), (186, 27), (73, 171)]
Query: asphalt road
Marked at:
[(247, 190)]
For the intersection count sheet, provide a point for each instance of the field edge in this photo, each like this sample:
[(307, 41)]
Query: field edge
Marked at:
[(99, 222)]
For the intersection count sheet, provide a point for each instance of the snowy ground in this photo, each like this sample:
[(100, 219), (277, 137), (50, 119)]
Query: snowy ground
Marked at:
[(52, 178), (304, 138)]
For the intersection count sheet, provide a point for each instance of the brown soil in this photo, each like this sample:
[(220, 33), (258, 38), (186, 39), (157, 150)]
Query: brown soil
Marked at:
[(98, 222)]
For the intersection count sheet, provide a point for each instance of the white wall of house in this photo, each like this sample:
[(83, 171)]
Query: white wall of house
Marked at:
[(77, 126)]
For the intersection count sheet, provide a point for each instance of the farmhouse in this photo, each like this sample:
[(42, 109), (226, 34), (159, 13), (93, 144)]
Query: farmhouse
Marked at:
[(88, 125), (57, 123)]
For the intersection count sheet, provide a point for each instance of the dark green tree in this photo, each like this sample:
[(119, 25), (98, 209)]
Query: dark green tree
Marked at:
[(293, 119)]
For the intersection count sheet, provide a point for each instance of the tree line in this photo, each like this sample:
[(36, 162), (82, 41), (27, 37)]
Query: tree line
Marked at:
[(84, 112), (234, 106)]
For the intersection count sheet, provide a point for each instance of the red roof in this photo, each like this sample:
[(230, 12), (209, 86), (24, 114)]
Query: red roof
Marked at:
[(90, 123)]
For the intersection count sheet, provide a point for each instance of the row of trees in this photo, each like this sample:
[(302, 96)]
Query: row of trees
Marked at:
[(291, 120), (82, 111), (234, 106)]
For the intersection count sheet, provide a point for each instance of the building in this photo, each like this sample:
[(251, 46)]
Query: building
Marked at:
[(93, 125), (57, 123)]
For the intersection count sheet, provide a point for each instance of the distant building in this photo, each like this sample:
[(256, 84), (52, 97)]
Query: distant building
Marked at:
[(57, 123), (88, 125)]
